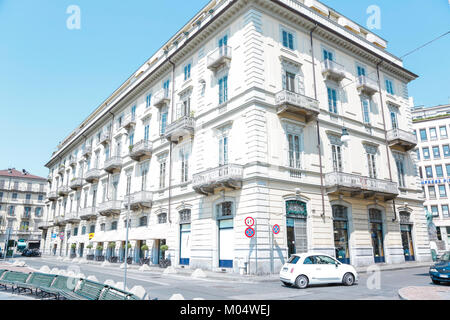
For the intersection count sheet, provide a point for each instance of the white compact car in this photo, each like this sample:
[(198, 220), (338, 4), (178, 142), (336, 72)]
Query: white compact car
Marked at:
[(308, 268)]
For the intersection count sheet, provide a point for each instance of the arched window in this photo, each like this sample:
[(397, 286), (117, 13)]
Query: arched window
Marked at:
[(296, 208), (143, 221)]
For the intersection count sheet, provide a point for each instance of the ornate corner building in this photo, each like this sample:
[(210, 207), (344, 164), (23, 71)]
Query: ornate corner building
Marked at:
[(284, 111)]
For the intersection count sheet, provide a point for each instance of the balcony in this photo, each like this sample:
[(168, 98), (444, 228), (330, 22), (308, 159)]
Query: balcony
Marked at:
[(87, 151), (71, 217), (333, 70), (140, 150), (44, 225), (219, 57), (76, 183), (161, 98), (376, 40), (73, 162), (113, 164), (227, 176), (63, 191), (129, 122), (87, 213), (105, 138), (367, 85), (339, 183), (93, 175), (181, 127), (26, 216), (296, 104), (59, 221), (52, 195), (109, 208), (349, 25), (401, 139), (61, 169), (140, 200)]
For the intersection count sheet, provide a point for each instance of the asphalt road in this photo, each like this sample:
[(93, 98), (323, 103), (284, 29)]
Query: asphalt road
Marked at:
[(164, 286)]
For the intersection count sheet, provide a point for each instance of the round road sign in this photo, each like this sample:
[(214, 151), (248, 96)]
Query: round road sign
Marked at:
[(249, 221), (249, 232), (276, 229)]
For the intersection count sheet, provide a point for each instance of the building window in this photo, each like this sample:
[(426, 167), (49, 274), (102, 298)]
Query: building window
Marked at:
[(434, 211), (389, 86), (443, 132), (185, 216), (38, 212), (442, 191), (102, 227), (14, 196), (332, 100), (114, 225), (433, 134), (223, 89), (223, 150), (163, 122), (11, 210), (373, 167), (162, 218), (288, 39), (327, 55), (146, 132), (294, 142), (366, 110), (423, 135), (92, 229), (439, 171), (162, 174), (224, 209), (75, 231), (337, 158), (447, 168), (446, 150), (83, 230), (432, 192), (418, 154), (426, 153), (436, 153), (429, 171), (187, 72), (148, 100), (289, 81), (445, 210), (184, 165), (143, 221)]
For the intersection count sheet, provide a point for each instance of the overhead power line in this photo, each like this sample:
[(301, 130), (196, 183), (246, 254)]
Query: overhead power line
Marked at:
[(418, 48)]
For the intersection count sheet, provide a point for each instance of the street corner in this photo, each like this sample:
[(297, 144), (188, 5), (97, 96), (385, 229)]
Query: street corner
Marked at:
[(432, 292)]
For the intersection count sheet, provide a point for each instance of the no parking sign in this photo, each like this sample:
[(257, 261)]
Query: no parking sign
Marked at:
[(276, 229), (249, 232)]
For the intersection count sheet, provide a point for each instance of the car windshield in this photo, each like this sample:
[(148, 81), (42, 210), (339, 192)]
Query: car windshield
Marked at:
[(293, 259), (445, 257)]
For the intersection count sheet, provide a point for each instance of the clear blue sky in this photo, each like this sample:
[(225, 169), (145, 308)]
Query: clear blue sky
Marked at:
[(53, 77)]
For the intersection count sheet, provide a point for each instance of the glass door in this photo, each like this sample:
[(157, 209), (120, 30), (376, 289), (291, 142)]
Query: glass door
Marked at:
[(407, 242), (377, 241), (290, 236)]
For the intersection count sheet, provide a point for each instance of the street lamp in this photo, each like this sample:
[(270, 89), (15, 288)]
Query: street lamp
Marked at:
[(345, 136)]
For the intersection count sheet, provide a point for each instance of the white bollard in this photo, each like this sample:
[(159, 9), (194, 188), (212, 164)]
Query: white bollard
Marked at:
[(198, 273), (139, 291), (177, 296)]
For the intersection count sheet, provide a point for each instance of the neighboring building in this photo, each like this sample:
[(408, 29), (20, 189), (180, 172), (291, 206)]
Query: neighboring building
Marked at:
[(22, 207), (222, 123), (432, 127)]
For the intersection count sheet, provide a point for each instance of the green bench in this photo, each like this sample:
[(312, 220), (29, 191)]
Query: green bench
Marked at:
[(62, 286), (89, 290), (36, 281), (13, 278), (111, 293)]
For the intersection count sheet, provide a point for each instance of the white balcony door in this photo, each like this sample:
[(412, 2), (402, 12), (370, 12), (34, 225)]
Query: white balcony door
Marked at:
[(223, 151)]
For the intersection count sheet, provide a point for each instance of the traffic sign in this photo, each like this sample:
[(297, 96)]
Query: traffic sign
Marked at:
[(249, 221), (276, 229), (249, 232)]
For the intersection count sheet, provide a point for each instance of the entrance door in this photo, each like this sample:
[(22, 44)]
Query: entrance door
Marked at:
[(376, 231), (296, 235), (185, 247), (81, 249), (340, 227), (407, 243), (226, 249)]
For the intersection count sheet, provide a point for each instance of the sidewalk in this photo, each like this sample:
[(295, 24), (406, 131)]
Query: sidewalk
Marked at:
[(435, 292), (237, 277)]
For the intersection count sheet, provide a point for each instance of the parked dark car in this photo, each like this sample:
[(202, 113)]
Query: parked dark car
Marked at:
[(440, 271), (31, 253)]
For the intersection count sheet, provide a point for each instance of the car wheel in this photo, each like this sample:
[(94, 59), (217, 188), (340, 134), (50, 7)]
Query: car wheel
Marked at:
[(301, 282), (349, 279), (436, 282)]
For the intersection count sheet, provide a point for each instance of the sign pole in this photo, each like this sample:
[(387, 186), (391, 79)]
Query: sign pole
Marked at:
[(126, 246), (256, 251), (271, 249)]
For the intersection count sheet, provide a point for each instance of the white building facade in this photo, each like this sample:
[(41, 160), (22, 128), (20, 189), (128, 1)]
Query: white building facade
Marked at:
[(432, 127), (22, 206), (283, 111)]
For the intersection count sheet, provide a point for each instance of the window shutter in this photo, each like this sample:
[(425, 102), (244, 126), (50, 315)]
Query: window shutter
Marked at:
[(300, 85)]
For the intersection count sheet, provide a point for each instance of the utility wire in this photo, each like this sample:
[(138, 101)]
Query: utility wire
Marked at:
[(442, 35)]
